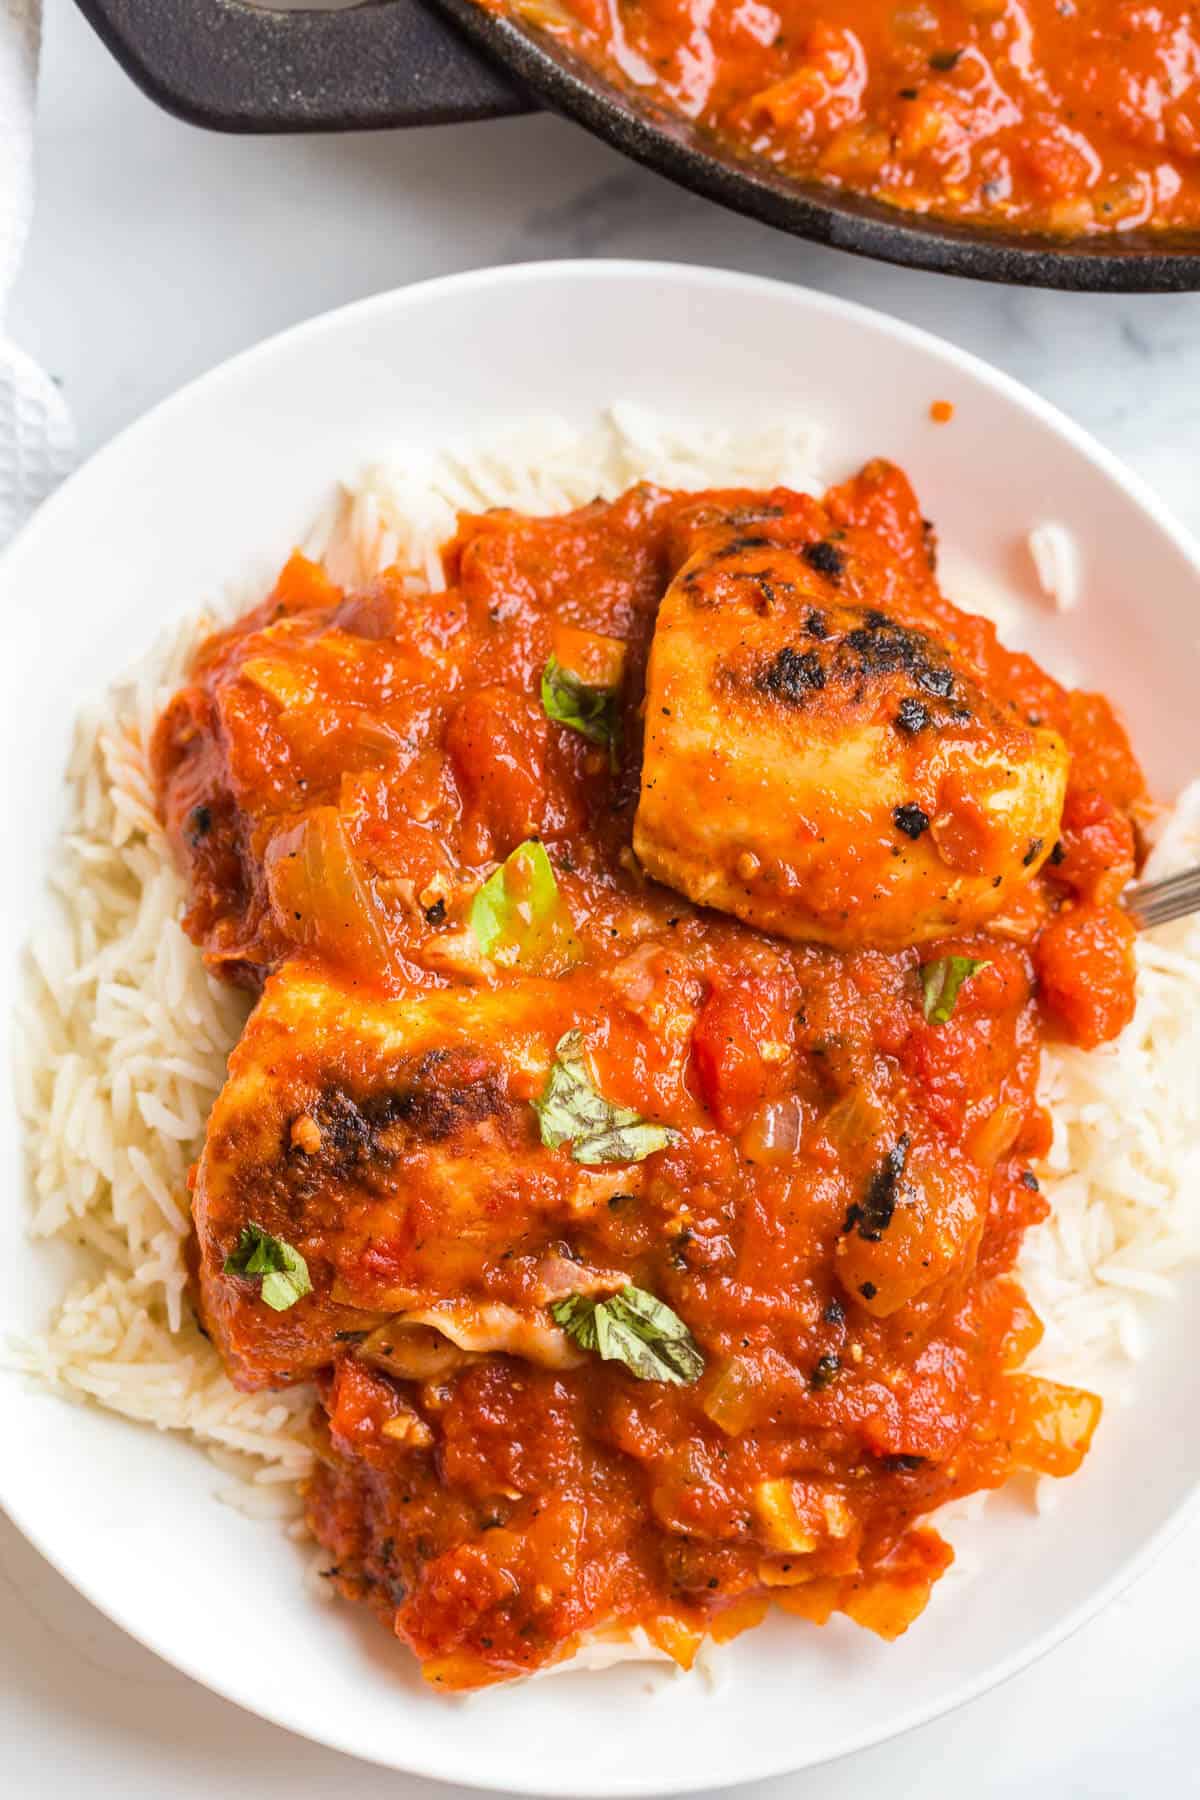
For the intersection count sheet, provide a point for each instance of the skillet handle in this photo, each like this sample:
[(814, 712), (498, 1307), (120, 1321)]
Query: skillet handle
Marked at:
[(234, 67)]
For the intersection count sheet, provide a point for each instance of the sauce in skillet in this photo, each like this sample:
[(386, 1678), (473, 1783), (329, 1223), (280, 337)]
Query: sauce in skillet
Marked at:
[(1068, 116)]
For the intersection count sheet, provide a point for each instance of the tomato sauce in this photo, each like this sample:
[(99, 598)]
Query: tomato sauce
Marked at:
[(847, 1182), (1074, 117)]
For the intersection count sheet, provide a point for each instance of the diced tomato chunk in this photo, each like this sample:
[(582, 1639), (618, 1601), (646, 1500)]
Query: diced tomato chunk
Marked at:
[(303, 584), (733, 1046), (1087, 974), (496, 742), (360, 1403), (1096, 858)]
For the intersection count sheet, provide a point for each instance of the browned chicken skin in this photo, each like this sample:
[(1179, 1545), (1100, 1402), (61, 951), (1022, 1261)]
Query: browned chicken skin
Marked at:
[(825, 769), (393, 1144)]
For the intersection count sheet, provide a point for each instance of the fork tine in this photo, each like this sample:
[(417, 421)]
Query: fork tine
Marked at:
[(1158, 902)]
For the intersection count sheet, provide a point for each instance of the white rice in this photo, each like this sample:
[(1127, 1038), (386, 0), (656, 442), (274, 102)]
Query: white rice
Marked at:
[(1055, 556), (1123, 1173), (124, 1035)]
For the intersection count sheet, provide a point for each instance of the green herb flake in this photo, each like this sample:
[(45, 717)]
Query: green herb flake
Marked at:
[(285, 1277), (572, 1111), (634, 1328), (941, 980), (519, 917), (594, 712)]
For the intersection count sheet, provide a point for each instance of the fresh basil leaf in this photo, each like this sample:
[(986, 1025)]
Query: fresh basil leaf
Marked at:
[(285, 1277), (572, 1111), (633, 1328), (594, 712), (518, 915), (941, 980)]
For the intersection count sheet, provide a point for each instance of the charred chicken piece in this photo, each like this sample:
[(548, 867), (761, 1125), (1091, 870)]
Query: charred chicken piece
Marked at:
[(391, 1146), (822, 768)]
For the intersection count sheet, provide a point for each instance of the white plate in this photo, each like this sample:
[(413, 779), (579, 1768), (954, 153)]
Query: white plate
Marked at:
[(222, 479)]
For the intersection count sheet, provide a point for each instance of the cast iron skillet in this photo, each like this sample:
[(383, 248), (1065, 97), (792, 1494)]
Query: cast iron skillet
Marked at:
[(236, 67)]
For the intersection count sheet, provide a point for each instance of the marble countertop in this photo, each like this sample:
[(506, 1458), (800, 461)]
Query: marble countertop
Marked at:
[(157, 251)]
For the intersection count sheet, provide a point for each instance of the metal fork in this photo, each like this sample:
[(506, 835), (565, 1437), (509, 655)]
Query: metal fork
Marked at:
[(1157, 902)]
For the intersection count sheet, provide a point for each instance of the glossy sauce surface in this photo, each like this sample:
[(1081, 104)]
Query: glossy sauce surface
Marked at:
[(1073, 116), (835, 1219)]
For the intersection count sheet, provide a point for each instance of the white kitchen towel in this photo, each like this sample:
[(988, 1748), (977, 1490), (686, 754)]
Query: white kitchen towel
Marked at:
[(37, 440)]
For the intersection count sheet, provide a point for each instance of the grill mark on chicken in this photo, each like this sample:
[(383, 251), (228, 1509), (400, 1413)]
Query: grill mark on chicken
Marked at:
[(450, 1089), (447, 1092), (911, 716), (911, 819), (769, 586), (825, 558), (877, 648), (791, 675), (346, 1136), (882, 646), (705, 513), (936, 681), (736, 545)]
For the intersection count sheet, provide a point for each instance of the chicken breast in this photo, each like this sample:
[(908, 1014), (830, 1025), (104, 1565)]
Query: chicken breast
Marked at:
[(390, 1145), (825, 769)]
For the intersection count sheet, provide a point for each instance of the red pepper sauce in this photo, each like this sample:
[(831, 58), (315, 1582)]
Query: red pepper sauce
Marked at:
[(1070, 116), (838, 1215)]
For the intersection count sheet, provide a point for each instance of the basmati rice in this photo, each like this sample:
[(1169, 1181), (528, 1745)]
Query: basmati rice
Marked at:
[(1056, 563)]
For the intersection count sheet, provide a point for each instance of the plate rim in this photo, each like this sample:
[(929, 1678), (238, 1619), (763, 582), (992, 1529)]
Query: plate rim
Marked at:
[(446, 1766)]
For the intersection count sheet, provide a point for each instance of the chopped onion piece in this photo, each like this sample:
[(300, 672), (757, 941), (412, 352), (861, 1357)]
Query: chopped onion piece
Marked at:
[(774, 1133), (319, 894)]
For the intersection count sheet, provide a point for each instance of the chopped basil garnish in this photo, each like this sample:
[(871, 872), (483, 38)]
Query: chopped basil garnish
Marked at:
[(518, 915), (941, 981), (284, 1272), (594, 712), (572, 1111), (634, 1328)]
